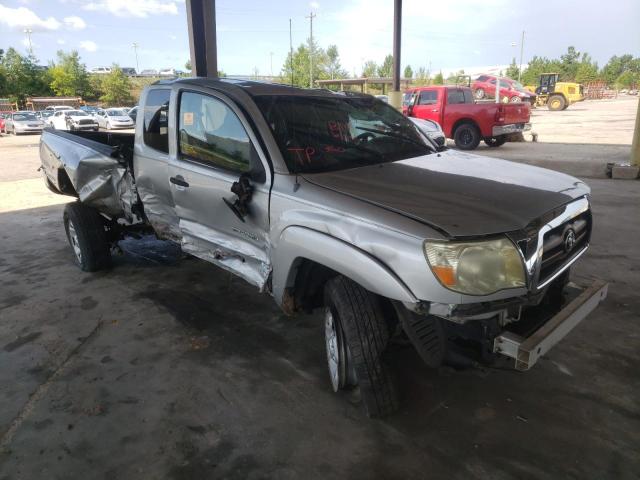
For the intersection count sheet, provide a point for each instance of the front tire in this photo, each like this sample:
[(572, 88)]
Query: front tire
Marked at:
[(556, 103), (467, 136), (356, 317), (515, 99), (86, 233), (479, 93)]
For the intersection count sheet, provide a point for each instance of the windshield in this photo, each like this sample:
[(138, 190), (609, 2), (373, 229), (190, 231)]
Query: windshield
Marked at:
[(24, 117), (76, 113), (116, 113), (319, 134)]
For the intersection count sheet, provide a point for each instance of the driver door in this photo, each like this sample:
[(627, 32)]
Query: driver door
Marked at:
[(214, 147)]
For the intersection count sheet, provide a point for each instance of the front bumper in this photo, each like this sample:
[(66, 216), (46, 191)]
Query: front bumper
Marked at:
[(511, 128), (86, 126), (27, 129), (122, 125), (527, 350)]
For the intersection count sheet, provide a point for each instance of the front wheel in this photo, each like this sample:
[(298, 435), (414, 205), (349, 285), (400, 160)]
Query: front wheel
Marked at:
[(479, 93), (356, 336), (515, 99), (556, 103), (86, 233), (467, 136), (495, 142)]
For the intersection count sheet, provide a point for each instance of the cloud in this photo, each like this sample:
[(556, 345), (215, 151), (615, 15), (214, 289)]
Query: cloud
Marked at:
[(22, 17), (314, 5), (131, 8), (75, 23), (88, 45), (60, 41)]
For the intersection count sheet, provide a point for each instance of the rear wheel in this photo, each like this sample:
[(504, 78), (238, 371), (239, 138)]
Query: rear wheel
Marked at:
[(467, 136), (495, 141), (86, 233), (479, 93), (356, 336), (556, 103), (515, 99)]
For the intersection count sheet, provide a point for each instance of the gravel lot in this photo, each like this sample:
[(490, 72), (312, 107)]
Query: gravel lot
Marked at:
[(169, 368)]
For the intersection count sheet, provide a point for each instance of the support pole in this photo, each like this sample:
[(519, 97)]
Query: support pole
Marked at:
[(395, 95), (201, 20), (521, 53), (635, 146)]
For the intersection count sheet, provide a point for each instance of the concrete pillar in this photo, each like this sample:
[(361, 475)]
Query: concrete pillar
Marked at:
[(635, 146), (201, 20), (395, 95)]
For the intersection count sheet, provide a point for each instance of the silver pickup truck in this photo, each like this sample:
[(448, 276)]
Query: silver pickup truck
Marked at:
[(336, 201)]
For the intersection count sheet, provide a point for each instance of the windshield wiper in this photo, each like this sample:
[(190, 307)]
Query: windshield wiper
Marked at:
[(395, 135)]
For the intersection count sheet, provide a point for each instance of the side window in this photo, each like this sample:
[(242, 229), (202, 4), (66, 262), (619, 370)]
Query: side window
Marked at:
[(211, 133), (455, 96), (482, 78), (468, 96), (156, 115), (428, 97)]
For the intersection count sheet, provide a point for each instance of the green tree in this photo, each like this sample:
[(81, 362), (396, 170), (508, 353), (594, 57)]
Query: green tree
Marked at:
[(21, 76), (569, 63), (187, 65), (299, 64), (538, 65), (369, 69), (513, 70), (438, 79), (422, 76), (386, 69), (116, 88), (69, 77), (587, 70), (616, 66), (627, 79), (333, 67), (408, 72)]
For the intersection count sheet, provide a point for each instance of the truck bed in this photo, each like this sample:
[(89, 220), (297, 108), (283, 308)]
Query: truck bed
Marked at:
[(95, 167)]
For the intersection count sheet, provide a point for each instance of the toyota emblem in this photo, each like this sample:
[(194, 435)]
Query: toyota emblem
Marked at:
[(569, 240)]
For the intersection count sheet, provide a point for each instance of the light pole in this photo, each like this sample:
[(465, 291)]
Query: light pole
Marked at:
[(521, 52), (311, 17), (28, 31), (271, 64), (135, 49)]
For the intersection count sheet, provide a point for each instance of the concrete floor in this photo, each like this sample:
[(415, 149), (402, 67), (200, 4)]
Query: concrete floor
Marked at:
[(170, 368)]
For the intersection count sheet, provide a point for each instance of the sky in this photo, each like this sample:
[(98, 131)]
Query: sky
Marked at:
[(253, 34)]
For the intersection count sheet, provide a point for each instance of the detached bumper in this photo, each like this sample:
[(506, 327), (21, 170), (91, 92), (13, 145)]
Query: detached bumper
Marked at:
[(527, 350), (511, 128)]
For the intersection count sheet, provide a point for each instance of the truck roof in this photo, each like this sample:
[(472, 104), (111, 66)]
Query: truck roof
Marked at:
[(253, 87)]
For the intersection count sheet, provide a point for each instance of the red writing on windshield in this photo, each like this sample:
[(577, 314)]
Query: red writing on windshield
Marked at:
[(302, 155)]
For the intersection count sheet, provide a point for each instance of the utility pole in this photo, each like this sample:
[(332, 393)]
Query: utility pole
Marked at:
[(28, 31), (395, 95), (135, 50), (291, 51), (311, 17), (521, 51)]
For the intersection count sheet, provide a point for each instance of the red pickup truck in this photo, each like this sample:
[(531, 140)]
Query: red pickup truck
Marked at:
[(463, 120)]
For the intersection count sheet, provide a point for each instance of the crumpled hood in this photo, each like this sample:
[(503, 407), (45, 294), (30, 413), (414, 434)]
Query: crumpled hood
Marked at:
[(460, 193)]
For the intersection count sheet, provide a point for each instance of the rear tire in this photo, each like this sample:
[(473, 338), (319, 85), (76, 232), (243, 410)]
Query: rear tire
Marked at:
[(515, 99), (86, 233), (479, 93), (467, 136), (495, 142), (556, 103), (359, 319)]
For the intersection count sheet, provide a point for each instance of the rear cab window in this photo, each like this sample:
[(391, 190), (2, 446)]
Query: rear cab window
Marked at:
[(156, 115), (457, 96)]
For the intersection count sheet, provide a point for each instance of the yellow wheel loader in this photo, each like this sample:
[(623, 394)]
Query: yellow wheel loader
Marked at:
[(554, 94)]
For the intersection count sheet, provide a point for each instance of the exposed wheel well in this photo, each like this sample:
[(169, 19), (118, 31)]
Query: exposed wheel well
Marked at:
[(462, 121), (64, 183)]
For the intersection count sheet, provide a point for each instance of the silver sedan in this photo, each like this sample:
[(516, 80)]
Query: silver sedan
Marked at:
[(23, 122), (111, 118)]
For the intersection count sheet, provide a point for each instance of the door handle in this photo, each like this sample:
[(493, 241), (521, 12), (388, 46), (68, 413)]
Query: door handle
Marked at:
[(435, 110), (178, 180)]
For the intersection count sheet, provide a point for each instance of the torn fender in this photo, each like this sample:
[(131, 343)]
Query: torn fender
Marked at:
[(361, 267)]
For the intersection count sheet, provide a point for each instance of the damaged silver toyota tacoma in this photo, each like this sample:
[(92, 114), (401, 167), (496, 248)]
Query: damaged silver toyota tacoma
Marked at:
[(336, 201)]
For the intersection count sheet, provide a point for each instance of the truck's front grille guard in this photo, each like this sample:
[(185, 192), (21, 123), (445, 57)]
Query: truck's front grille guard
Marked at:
[(533, 256)]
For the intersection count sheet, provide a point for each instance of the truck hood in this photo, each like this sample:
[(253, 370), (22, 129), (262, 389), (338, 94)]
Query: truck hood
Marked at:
[(458, 193)]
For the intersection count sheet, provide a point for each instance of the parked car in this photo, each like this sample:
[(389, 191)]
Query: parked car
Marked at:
[(133, 113), (130, 72), (432, 130), (454, 109), (101, 70), (2, 129), (384, 98), (337, 203), (73, 120), (90, 109), (57, 108), (485, 87), (168, 72), (44, 115), (150, 72), (23, 122), (111, 118)]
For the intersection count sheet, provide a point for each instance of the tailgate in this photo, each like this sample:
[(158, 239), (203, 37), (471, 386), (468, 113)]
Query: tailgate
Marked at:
[(516, 113), (87, 169)]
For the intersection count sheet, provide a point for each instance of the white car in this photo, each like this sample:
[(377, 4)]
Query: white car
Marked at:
[(111, 118), (73, 120), (56, 108), (168, 72), (101, 70)]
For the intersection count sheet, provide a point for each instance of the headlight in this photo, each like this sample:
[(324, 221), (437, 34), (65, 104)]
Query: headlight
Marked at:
[(476, 267)]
